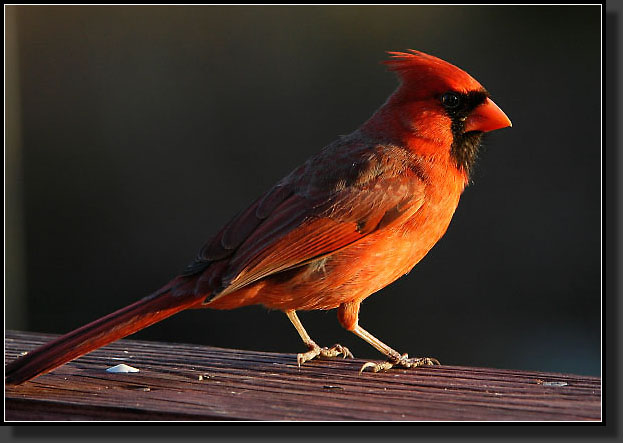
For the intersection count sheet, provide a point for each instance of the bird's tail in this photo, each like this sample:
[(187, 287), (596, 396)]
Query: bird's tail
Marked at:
[(119, 324)]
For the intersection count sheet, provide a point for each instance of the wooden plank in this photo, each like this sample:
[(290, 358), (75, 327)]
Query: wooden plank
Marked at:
[(190, 382)]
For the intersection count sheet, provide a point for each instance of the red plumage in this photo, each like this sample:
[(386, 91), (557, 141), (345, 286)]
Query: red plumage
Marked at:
[(348, 222)]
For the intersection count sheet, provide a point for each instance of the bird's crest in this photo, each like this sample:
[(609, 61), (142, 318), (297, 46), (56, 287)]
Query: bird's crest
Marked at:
[(422, 67)]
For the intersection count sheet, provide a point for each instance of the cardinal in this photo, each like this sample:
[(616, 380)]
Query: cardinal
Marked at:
[(349, 221)]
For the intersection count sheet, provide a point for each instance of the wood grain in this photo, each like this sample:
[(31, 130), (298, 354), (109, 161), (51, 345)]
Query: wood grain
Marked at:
[(190, 382)]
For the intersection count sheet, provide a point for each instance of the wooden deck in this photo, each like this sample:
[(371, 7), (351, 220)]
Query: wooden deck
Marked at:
[(189, 382)]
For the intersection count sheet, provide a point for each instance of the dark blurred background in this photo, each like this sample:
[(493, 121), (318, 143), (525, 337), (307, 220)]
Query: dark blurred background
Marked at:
[(134, 133)]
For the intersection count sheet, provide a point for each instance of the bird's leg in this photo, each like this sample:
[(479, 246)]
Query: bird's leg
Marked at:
[(314, 349), (348, 315), (394, 358)]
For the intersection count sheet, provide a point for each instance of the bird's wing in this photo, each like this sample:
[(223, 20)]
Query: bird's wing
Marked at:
[(290, 226)]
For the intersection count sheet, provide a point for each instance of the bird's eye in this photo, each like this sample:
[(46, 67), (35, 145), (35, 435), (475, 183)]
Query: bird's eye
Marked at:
[(450, 100)]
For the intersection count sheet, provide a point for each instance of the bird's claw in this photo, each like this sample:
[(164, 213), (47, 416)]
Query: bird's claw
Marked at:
[(403, 361), (316, 351)]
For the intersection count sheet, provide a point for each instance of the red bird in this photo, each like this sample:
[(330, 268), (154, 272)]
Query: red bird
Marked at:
[(349, 221)]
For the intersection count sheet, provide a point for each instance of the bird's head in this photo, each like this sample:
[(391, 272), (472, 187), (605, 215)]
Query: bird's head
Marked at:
[(442, 104)]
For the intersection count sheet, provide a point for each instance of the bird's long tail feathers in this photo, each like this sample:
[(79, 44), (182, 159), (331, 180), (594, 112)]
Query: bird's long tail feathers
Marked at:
[(119, 324)]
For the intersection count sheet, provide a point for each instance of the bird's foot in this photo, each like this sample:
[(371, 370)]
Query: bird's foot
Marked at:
[(316, 351), (400, 360)]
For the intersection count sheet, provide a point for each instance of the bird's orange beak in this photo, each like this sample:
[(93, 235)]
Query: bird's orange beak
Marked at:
[(487, 117)]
